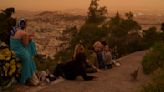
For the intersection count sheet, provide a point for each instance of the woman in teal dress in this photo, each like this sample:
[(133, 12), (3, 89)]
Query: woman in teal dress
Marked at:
[(21, 43)]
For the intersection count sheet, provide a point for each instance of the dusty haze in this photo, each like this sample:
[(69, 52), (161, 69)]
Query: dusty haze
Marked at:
[(82, 4)]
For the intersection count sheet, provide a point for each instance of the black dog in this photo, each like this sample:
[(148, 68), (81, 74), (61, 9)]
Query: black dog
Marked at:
[(72, 69)]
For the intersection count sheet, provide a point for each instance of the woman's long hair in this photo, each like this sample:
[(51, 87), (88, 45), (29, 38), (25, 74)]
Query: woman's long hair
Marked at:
[(79, 48)]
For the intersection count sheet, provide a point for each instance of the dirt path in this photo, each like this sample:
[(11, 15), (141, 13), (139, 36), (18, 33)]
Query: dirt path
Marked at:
[(117, 79)]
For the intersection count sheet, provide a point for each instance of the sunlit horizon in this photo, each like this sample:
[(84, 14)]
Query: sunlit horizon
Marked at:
[(51, 5)]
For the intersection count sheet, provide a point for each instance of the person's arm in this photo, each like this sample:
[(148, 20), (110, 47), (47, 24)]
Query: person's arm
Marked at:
[(25, 39), (31, 36)]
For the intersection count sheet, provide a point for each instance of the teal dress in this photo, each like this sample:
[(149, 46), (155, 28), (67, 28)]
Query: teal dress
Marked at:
[(26, 56)]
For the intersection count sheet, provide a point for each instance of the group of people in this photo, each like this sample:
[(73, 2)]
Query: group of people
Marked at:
[(75, 67), (101, 58), (21, 42), (102, 55)]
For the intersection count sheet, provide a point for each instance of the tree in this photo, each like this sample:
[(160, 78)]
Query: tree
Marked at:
[(7, 22), (96, 14), (129, 15), (151, 36), (124, 33), (116, 20)]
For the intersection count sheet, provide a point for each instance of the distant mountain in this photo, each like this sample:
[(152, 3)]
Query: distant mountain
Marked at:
[(51, 16), (45, 13)]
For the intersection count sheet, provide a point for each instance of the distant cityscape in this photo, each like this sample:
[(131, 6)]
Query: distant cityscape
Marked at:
[(49, 25)]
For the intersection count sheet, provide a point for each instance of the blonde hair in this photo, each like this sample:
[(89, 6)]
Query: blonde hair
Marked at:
[(79, 48), (97, 46)]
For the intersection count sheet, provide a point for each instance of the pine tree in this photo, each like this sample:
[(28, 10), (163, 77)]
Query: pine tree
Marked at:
[(129, 15), (96, 14)]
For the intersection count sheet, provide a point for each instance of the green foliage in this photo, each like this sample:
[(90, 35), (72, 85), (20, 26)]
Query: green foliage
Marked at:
[(129, 15), (154, 59), (153, 88), (65, 55), (121, 27), (96, 14), (153, 63), (157, 84), (88, 34), (6, 23), (121, 35), (151, 36), (72, 30), (43, 64), (150, 63), (124, 34)]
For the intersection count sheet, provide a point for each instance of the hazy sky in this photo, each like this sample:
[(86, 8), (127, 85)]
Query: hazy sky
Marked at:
[(81, 4)]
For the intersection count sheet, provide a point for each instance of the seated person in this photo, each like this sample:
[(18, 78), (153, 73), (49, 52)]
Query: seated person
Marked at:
[(21, 43), (93, 59), (107, 57), (74, 68), (98, 48), (89, 67)]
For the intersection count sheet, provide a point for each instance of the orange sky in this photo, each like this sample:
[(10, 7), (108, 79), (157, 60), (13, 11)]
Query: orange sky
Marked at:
[(81, 4)]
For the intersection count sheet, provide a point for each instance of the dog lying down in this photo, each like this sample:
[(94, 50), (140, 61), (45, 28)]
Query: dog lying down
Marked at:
[(72, 69)]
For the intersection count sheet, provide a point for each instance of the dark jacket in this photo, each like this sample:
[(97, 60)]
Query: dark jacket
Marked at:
[(73, 68)]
